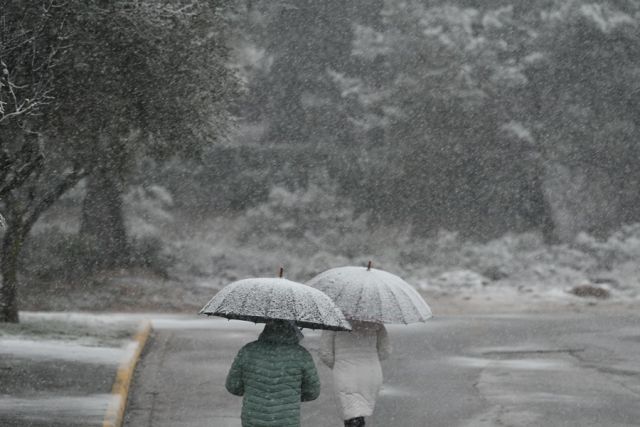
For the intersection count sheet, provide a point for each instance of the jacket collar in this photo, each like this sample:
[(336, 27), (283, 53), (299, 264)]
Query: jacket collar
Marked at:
[(279, 332)]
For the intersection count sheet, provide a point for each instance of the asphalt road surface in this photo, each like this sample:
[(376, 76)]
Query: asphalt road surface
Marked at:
[(492, 370)]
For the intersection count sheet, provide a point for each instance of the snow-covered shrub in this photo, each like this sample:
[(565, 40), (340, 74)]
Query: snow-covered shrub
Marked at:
[(522, 261), (447, 250), (211, 250), (457, 279), (311, 219), (620, 247)]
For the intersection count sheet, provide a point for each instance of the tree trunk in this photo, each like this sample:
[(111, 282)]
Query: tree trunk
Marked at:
[(103, 219), (11, 247)]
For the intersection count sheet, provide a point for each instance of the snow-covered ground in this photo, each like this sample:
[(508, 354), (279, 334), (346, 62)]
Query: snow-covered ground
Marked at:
[(57, 369), (43, 349), (86, 410)]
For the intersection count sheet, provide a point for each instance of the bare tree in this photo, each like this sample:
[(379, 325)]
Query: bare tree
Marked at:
[(27, 56), (34, 169)]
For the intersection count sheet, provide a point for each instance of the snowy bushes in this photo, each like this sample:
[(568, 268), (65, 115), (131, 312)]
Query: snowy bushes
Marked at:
[(519, 260), (55, 255), (306, 231), (312, 220), (310, 230), (622, 246)]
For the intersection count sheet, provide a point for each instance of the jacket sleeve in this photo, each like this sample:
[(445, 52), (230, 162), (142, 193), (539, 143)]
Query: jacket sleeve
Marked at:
[(234, 383), (384, 348), (327, 348), (310, 389)]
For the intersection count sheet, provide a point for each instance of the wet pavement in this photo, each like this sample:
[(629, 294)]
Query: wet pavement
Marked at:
[(490, 370)]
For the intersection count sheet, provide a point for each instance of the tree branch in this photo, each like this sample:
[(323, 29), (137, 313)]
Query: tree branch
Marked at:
[(28, 160), (51, 196)]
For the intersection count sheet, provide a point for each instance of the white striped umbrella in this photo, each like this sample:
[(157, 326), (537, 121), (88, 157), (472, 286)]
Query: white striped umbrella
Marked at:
[(368, 294), (263, 299)]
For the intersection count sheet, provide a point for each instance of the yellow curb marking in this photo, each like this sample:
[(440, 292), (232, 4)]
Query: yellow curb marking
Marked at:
[(120, 389)]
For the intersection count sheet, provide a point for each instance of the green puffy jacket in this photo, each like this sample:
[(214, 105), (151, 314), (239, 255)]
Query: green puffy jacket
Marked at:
[(274, 374)]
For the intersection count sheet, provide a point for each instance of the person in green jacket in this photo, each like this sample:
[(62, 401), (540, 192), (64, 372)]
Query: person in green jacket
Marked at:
[(274, 374)]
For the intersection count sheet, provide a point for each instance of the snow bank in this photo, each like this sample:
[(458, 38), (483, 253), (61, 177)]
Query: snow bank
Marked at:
[(56, 409), (64, 350)]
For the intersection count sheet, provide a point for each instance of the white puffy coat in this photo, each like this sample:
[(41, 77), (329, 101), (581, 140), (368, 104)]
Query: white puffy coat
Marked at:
[(355, 358)]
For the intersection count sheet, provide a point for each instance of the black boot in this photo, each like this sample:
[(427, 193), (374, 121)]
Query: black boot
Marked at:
[(354, 422)]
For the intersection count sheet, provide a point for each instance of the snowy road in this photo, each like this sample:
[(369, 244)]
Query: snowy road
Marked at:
[(497, 370)]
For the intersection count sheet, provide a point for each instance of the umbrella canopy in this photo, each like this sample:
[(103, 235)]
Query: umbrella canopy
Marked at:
[(372, 295), (264, 299)]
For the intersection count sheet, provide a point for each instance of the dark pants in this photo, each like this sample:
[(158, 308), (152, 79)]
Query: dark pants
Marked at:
[(354, 422)]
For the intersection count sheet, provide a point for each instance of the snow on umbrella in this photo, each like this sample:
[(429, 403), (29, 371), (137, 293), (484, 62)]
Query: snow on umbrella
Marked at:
[(368, 294), (264, 299)]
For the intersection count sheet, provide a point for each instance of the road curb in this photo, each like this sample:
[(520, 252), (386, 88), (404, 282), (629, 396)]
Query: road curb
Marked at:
[(120, 390)]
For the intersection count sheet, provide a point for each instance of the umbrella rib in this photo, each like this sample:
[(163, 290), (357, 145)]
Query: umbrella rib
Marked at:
[(413, 306), (320, 317), (380, 304), (428, 309), (221, 303), (395, 300), (244, 302), (336, 298), (339, 294), (269, 302), (362, 289), (295, 306)]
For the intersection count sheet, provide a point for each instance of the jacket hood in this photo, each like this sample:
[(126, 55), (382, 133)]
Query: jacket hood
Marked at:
[(279, 332)]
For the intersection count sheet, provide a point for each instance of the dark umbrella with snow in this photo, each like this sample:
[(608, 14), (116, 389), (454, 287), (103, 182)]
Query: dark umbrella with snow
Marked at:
[(264, 299), (368, 294)]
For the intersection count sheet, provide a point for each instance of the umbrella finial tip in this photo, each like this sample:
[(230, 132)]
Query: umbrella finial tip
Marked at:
[(369, 266)]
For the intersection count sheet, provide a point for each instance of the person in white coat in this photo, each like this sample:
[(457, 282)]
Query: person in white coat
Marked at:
[(357, 375)]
